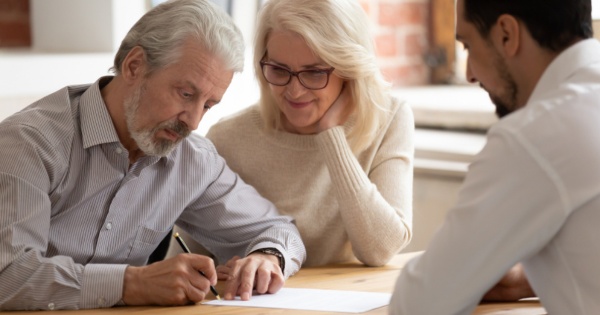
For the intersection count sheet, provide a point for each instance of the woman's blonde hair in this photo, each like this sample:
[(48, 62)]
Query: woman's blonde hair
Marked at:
[(338, 32)]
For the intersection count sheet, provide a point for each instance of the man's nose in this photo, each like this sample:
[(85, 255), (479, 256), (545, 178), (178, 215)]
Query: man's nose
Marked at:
[(192, 116), (469, 74)]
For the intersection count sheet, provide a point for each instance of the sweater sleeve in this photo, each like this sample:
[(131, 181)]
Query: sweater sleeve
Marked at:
[(375, 204)]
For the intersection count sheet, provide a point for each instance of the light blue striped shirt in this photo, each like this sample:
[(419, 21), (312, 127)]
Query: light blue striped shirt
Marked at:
[(74, 215)]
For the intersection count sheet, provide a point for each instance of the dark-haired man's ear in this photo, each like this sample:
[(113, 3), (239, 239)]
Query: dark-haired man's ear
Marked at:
[(133, 64), (506, 35)]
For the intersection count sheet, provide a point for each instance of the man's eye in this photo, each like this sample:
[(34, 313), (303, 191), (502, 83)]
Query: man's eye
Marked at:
[(185, 94)]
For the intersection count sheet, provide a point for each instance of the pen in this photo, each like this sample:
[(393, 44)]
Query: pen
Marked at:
[(187, 250)]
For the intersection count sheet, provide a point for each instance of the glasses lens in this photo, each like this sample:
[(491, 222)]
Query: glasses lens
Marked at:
[(276, 75), (313, 79), (310, 79)]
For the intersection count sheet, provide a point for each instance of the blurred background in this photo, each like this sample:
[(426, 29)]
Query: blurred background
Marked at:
[(46, 45)]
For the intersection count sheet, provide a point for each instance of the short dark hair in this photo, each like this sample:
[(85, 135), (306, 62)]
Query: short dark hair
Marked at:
[(554, 24)]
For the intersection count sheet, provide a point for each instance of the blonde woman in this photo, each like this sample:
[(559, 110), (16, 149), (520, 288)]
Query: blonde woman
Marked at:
[(327, 143)]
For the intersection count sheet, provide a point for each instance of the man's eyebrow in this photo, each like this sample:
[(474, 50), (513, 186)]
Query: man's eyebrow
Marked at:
[(199, 91)]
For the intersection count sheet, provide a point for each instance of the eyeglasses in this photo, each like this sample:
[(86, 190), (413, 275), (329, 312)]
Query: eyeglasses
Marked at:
[(313, 79)]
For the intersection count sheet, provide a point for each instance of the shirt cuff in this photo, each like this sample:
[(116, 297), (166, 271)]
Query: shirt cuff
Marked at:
[(287, 261), (102, 285)]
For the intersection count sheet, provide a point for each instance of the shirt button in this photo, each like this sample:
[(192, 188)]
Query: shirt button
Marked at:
[(119, 151), (108, 226), (101, 302), (51, 306)]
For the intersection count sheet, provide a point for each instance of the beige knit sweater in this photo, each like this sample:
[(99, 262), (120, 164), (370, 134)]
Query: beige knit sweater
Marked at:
[(345, 206)]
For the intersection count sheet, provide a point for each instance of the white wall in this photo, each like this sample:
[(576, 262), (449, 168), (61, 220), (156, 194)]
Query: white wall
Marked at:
[(71, 26), (244, 14), (125, 14), (82, 25), (73, 42)]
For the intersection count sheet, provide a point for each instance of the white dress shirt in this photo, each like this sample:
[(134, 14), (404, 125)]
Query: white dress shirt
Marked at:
[(532, 196)]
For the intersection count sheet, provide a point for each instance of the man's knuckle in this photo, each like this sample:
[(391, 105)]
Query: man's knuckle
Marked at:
[(178, 298), (246, 285)]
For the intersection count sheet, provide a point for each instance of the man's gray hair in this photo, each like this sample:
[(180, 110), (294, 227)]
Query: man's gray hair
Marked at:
[(162, 31)]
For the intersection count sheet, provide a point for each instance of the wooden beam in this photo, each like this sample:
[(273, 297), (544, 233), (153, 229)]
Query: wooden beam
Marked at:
[(442, 55)]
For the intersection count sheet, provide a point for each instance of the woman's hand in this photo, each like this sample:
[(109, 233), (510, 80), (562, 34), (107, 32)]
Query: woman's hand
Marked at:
[(338, 113)]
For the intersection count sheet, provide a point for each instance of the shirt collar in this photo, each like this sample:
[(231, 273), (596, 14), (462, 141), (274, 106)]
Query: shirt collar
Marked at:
[(566, 64), (97, 126)]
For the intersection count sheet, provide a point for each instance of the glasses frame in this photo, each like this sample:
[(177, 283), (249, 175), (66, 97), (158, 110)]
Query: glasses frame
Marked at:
[(295, 74)]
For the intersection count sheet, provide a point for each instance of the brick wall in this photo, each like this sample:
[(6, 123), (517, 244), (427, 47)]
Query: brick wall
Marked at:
[(15, 30), (401, 30)]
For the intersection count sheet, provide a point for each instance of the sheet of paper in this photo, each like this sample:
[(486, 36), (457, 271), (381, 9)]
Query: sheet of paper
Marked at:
[(314, 300)]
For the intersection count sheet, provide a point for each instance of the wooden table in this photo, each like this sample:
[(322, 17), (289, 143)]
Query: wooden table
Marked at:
[(353, 277)]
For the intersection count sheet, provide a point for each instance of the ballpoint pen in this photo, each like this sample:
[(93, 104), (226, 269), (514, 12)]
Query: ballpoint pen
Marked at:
[(187, 250)]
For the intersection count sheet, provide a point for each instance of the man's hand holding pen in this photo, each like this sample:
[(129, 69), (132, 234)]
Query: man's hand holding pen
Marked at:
[(174, 281), (187, 278), (261, 271)]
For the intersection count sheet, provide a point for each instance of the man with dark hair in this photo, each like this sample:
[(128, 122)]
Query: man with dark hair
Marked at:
[(526, 220), (553, 24)]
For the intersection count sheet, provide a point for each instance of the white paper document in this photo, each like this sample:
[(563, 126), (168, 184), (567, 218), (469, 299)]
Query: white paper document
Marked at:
[(314, 300)]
